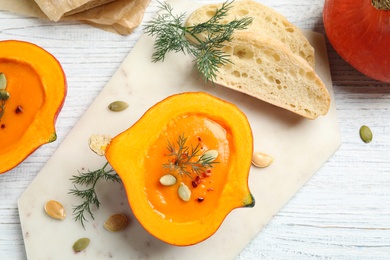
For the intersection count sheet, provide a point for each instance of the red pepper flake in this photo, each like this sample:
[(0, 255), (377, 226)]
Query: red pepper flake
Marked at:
[(207, 173), (199, 139), (19, 110), (196, 182), (210, 189), (200, 199), (2, 126)]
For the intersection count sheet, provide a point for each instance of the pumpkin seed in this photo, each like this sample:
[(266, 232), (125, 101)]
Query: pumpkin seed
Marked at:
[(184, 192), (116, 222), (55, 210), (118, 106), (365, 134), (208, 156), (98, 143), (4, 95), (261, 160), (168, 180), (3, 81), (81, 244)]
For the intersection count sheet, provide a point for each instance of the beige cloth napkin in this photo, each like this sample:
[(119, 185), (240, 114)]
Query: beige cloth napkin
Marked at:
[(120, 16)]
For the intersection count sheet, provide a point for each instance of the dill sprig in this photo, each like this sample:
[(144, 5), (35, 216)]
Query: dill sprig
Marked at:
[(2, 108), (89, 179), (187, 160), (172, 35)]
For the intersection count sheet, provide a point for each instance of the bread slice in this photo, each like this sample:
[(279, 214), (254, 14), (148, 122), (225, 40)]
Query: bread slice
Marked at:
[(265, 20), (264, 68)]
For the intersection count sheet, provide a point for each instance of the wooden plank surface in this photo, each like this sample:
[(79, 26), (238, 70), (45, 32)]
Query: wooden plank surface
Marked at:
[(341, 213)]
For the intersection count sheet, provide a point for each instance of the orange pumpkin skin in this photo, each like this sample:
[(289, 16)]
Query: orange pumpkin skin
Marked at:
[(131, 152), (37, 85), (360, 34)]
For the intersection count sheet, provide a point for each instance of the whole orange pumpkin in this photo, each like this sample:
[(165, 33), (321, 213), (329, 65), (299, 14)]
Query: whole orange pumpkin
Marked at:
[(359, 31)]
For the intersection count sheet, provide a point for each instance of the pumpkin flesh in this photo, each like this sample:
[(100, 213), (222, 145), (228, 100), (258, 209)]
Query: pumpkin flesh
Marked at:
[(360, 34), (23, 83), (204, 196), (138, 155)]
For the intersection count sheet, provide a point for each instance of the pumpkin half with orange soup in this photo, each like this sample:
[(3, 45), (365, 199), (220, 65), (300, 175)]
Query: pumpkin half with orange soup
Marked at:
[(33, 89), (185, 166)]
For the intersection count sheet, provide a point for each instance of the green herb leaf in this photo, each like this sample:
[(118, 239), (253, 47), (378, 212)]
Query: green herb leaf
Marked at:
[(89, 195), (188, 161), (172, 36)]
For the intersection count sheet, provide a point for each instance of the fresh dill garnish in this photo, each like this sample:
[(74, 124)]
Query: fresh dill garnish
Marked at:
[(89, 180), (172, 35), (2, 107), (186, 160)]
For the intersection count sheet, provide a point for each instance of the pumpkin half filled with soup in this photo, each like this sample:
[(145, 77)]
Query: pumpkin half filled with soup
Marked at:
[(185, 166), (32, 91)]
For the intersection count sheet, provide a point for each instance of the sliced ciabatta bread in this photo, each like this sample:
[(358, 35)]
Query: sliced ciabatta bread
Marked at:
[(265, 20), (264, 68)]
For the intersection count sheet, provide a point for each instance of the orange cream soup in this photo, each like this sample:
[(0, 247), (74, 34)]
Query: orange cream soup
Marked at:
[(198, 129), (26, 91)]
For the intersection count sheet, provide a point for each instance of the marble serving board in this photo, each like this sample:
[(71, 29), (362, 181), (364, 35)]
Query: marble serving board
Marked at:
[(299, 147)]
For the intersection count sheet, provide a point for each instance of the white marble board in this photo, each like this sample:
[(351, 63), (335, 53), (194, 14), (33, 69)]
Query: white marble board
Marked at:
[(299, 147)]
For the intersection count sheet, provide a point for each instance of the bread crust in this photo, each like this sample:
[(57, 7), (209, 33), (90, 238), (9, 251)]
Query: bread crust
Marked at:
[(265, 21), (265, 68)]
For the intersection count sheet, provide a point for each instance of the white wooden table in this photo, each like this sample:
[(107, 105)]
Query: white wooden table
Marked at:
[(343, 212)]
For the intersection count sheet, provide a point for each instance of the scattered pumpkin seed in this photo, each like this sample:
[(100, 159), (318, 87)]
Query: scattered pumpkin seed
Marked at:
[(55, 210), (3, 81), (98, 143), (184, 192), (81, 244), (118, 106), (116, 222), (365, 134), (261, 160), (209, 156), (168, 180)]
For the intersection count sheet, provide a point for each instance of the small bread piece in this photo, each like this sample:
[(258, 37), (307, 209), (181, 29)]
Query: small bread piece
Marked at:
[(264, 68), (265, 20)]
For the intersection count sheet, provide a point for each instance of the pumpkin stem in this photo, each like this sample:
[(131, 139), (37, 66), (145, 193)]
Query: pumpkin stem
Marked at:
[(381, 4)]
